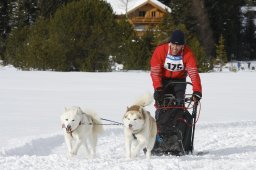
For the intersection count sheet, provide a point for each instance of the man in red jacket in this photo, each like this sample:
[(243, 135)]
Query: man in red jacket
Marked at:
[(172, 62)]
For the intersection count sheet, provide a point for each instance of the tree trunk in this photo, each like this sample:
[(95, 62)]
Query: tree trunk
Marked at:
[(203, 27)]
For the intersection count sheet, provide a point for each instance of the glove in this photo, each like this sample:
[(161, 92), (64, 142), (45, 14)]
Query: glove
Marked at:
[(159, 95), (196, 96)]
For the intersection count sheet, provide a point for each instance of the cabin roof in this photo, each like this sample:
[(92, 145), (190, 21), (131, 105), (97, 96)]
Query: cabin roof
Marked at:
[(119, 6)]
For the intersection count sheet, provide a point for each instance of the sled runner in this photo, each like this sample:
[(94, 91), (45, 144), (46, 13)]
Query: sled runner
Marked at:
[(175, 124)]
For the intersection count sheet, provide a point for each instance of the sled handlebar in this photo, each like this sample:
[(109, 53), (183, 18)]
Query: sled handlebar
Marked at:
[(170, 101), (171, 83)]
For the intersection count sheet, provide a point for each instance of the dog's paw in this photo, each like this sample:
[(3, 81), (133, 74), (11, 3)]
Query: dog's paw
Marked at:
[(128, 156), (89, 156), (134, 155), (73, 152), (148, 155), (70, 155)]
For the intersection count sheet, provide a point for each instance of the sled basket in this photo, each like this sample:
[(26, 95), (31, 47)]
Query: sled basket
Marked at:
[(176, 125)]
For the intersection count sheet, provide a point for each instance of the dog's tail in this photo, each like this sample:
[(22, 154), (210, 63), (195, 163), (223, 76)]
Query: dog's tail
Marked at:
[(97, 124), (144, 100)]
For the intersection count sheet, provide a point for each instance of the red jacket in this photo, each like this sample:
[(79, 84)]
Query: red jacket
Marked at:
[(189, 66)]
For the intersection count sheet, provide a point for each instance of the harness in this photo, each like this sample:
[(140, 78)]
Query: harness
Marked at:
[(80, 123), (70, 132), (136, 132)]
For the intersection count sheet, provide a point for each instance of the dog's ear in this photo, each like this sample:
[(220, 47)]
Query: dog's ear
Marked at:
[(127, 108), (125, 115), (79, 110), (142, 111)]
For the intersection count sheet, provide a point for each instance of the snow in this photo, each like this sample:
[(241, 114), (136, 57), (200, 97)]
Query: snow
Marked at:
[(245, 10), (236, 66), (31, 103)]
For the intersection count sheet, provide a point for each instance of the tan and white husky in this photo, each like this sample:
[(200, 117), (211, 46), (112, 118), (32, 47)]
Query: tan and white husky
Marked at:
[(139, 128)]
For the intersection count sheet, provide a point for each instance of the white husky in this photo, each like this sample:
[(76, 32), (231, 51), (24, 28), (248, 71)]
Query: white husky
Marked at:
[(80, 127), (139, 128)]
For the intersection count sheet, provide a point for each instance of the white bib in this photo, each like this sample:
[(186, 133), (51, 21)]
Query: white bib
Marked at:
[(173, 63)]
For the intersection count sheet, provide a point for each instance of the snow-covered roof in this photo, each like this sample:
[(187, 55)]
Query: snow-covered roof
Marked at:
[(244, 9), (120, 6)]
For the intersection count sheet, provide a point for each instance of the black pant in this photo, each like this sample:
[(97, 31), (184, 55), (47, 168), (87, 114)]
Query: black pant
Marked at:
[(176, 87)]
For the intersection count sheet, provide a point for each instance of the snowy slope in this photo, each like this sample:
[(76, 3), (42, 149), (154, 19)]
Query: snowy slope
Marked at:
[(31, 103)]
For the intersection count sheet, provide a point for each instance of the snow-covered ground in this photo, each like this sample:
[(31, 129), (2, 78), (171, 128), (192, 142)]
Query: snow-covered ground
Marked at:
[(32, 101), (236, 66)]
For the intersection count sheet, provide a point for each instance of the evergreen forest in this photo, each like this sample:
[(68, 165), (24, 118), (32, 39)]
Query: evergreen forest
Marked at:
[(85, 35)]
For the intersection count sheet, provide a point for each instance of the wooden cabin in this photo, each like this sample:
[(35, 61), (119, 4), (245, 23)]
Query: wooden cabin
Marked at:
[(142, 14)]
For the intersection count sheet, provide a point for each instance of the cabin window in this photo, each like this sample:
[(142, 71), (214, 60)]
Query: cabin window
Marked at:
[(140, 27), (153, 13), (142, 13)]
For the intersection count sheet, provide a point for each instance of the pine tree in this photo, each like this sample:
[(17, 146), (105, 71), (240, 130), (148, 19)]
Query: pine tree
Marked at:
[(248, 47), (203, 29), (164, 30), (4, 27), (225, 19), (79, 37), (15, 46), (203, 62), (32, 11), (133, 52), (183, 14), (17, 14), (47, 8), (39, 52), (85, 30), (148, 44), (125, 38), (166, 2), (221, 54)]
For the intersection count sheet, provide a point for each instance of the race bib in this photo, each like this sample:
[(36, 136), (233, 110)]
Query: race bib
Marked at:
[(173, 63)]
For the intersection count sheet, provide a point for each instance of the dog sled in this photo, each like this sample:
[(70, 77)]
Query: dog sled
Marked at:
[(176, 122)]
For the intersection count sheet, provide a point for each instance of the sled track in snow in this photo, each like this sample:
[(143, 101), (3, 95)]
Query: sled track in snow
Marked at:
[(44, 146), (38, 146), (113, 136), (226, 142)]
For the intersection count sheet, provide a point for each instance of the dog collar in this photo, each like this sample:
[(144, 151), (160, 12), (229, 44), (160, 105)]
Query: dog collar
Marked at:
[(134, 136), (136, 132), (70, 132)]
